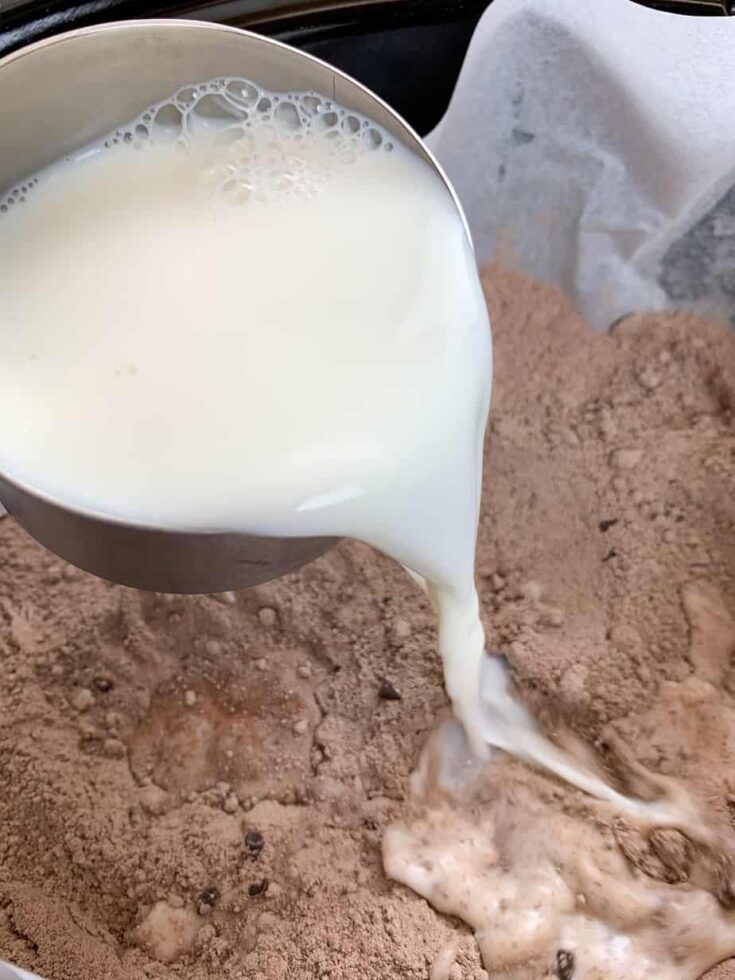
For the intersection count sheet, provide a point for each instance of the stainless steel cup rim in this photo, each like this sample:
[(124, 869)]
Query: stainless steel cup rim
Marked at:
[(43, 514)]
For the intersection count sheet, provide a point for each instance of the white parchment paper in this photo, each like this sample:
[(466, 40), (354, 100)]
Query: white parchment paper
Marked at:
[(595, 143)]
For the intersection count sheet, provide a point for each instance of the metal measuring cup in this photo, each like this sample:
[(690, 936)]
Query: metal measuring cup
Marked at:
[(60, 94)]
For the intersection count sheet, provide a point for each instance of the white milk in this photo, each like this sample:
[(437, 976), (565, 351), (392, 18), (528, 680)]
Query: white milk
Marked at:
[(258, 312), (254, 312)]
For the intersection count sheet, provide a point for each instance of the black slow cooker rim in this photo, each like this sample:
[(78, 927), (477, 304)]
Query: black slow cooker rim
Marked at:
[(25, 21)]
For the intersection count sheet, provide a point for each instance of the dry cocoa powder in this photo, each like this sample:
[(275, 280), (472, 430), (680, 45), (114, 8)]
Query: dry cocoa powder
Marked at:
[(198, 786)]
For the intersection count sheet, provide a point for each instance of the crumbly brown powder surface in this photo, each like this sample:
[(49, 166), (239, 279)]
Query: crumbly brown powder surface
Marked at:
[(196, 787)]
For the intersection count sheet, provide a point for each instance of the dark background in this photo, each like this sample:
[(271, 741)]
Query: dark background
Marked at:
[(408, 51)]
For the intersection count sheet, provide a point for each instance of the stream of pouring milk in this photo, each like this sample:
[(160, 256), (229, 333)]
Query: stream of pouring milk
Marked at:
[(258, 311)]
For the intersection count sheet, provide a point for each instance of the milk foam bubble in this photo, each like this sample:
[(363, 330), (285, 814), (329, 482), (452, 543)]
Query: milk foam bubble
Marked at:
[(272, 136)]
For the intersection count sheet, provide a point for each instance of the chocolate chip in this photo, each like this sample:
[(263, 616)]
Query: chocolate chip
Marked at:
[(254, 841), (607, 524), (258, 887), (103, 684), (387, 691), (612, 553), (564, 964), (210, 896)]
